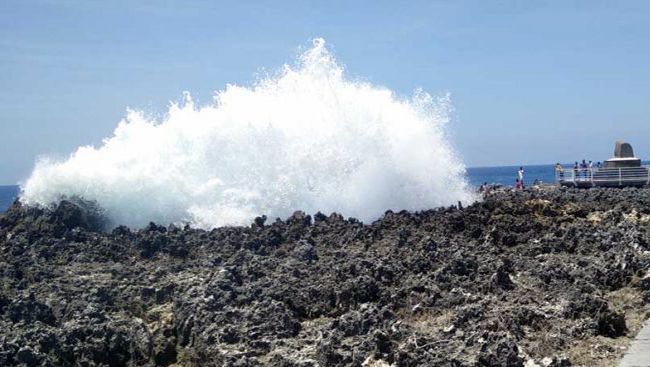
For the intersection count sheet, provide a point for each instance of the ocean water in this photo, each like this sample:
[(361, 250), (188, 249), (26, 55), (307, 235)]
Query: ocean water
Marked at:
[(506, 175), (7, 196)]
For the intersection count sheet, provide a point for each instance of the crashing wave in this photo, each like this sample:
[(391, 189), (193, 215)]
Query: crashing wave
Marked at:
[(308, 138)]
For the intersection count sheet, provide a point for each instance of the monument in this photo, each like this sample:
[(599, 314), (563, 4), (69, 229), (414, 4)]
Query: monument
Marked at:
[(621, 171), (623, 157)]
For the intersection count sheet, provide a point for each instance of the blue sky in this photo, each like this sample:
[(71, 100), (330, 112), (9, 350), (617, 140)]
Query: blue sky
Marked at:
[(531, 81)]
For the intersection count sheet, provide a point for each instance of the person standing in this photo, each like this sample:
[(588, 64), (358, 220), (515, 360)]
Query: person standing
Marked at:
[(559, 171), (520, 175), (583, 170)]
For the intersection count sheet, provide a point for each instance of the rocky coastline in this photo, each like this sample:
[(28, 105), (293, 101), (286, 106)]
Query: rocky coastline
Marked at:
[(540, 277)]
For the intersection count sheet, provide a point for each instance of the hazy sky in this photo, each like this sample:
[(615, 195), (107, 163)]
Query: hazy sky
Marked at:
[(531, 81)]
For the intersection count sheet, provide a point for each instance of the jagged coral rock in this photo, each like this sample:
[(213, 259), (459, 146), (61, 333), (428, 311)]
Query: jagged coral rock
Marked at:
[(521, 277)]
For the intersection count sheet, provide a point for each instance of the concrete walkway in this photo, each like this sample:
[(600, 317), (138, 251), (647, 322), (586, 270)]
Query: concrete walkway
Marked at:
[(639, 353)]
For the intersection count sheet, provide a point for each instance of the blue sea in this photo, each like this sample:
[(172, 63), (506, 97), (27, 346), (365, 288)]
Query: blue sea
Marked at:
[(506, 175), (7, 196), (503, 175)]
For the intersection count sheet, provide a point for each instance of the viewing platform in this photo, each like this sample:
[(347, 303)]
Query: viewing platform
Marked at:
[(623, 170), (604, 177)]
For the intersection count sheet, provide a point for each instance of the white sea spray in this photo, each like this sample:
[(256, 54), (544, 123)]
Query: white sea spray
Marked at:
[(306, 139)]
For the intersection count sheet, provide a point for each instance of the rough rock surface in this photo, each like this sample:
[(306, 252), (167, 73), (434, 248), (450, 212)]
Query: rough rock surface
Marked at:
[(552, 277)]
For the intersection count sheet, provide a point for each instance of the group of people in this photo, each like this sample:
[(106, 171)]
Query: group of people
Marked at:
[(519, 182), (582, 170)]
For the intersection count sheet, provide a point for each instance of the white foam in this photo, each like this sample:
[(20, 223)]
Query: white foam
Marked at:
[(307, 139)]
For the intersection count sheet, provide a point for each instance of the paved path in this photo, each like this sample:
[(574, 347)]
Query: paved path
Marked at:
[(639, 353)]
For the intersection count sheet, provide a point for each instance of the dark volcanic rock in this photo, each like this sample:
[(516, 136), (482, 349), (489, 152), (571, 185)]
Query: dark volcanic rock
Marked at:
[(521, 277), (611, 324)]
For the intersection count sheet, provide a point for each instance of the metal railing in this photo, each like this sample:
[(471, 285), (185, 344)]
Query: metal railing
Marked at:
[(589, 177)]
